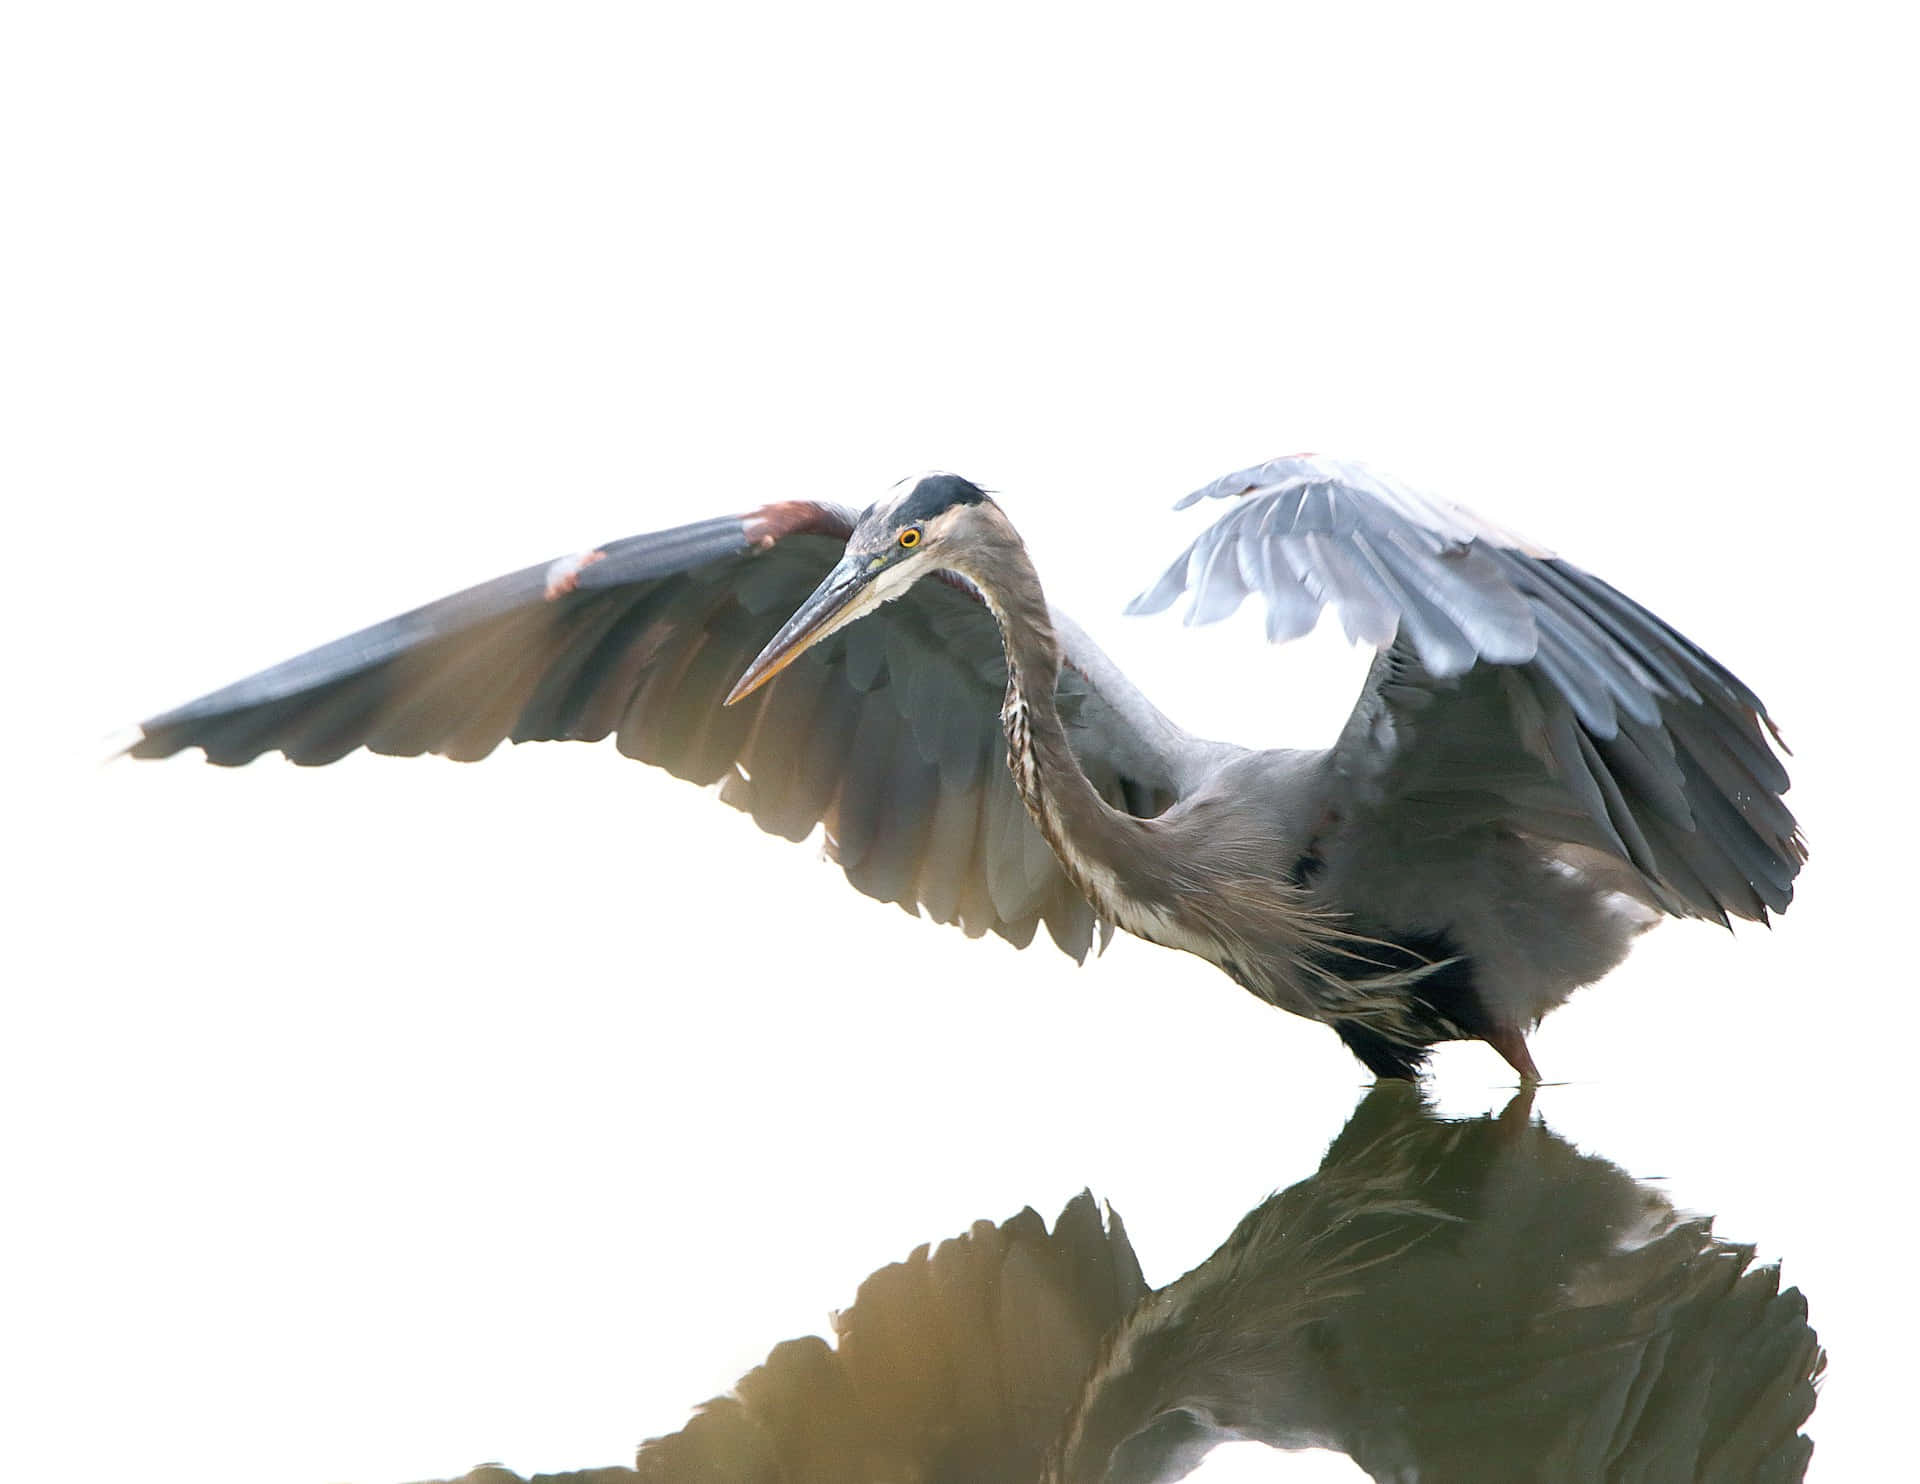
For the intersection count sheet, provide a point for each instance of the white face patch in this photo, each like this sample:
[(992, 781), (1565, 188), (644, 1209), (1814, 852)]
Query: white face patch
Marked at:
[(894, 579)]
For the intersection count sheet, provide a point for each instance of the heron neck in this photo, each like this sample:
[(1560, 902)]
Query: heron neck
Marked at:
[(1075, 820)]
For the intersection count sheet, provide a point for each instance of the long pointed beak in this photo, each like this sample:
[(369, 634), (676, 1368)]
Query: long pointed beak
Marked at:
[(837, 602)]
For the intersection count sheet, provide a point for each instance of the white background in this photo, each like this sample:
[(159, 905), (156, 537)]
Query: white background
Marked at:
[(369, 1122)]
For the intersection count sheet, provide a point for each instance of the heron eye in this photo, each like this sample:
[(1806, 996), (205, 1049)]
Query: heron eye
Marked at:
[(910, 537)]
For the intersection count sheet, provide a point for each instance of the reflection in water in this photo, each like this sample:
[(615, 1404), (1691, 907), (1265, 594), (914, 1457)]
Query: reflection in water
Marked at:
[(1470, 1300), (1441, 1301)]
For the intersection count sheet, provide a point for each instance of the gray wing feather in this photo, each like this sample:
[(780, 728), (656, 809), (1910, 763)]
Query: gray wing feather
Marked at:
[(886, 734), (949, 854), (1611, 730), (1386, 560)]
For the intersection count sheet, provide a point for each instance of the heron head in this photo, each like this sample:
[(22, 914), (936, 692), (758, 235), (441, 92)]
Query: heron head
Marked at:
[(919, 528)]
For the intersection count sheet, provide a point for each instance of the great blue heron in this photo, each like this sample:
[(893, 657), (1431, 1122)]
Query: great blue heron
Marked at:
[(1536, 770)]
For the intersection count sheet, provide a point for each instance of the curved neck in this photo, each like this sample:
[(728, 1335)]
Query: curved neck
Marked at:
[(1075, 820)]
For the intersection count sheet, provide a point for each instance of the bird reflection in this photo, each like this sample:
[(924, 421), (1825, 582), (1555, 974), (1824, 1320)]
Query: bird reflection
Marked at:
[(1441, 1300), (1472, 1300)]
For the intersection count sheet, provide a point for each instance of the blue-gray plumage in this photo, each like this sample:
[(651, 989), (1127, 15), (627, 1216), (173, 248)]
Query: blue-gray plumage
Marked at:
[(1536, 770)]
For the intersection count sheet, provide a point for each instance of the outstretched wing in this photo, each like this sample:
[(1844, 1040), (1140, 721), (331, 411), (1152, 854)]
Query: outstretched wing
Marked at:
[(888, 733), (1512, 685)]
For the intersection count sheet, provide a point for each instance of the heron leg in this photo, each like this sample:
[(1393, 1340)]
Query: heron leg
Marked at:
[(1518, 1114), (1512, 1044)]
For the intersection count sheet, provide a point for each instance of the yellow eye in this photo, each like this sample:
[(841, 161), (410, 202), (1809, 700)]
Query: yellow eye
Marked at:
[(910, 537)]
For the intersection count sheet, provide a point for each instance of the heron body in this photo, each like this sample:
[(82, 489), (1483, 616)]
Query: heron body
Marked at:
[(1536, 771)]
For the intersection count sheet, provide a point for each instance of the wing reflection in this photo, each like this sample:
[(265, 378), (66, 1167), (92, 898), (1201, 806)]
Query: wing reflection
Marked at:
[(1441, 1301), (957, 1364), (1472, 1301)]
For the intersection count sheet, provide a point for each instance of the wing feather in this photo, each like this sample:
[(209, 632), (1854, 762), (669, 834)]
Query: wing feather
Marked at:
[(1006, 856), (1292, 608), (1221, 586), (1364, 603), (801, 718), (1430, 626), (1642, 757), (855, 819), (948, 853), (1611, 731)]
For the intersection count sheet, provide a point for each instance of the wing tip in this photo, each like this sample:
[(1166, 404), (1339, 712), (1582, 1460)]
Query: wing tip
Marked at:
[(1760, 715), (123, 742)]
